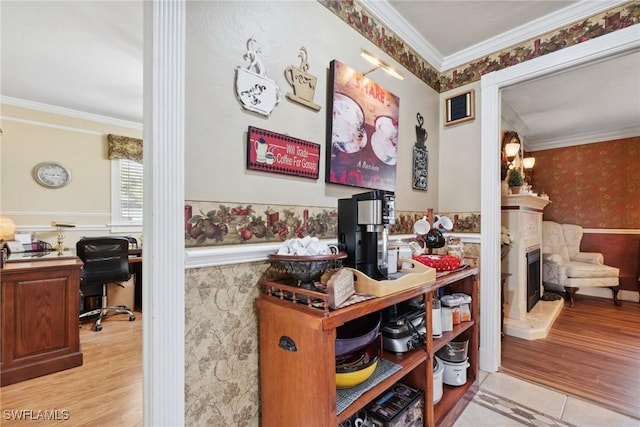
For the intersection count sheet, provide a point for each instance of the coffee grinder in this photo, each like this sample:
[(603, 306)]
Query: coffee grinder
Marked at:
[(364, 221)]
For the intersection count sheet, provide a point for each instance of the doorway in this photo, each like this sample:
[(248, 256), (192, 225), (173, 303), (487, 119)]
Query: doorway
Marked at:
[(619, 42)]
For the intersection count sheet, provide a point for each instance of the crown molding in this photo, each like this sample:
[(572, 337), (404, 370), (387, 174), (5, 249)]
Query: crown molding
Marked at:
[(530, 30), (52, 109), (513, 120), (386, 14), (586, 138)]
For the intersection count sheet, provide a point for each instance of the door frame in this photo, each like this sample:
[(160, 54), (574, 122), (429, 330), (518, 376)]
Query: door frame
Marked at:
[(599, 49)]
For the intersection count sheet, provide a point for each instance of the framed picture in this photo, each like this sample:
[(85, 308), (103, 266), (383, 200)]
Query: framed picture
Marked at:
[(273, 152), (362, 131), (459, 108)]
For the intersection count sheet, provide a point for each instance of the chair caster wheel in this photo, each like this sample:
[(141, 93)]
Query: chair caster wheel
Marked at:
[(132, 318), (97, 328)]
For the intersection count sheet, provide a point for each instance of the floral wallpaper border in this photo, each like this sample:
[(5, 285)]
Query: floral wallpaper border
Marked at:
[(231, 223), (361, 20)]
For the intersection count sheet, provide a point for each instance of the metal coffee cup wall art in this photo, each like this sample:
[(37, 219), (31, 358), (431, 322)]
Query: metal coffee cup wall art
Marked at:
[(256, 91), (302, 82), (420, 157)]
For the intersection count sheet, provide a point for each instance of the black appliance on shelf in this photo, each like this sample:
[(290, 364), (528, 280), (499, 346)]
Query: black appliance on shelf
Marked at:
[(404, 327), (364, 221)]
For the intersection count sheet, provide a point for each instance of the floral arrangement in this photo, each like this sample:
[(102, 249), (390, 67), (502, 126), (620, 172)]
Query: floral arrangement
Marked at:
[(505, 241)]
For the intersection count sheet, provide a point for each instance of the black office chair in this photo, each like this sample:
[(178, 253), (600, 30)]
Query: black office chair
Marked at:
[(106, 260), (133, 242)]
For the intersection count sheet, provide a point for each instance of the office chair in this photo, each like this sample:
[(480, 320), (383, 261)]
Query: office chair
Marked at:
[(106, 260), (133, 242)]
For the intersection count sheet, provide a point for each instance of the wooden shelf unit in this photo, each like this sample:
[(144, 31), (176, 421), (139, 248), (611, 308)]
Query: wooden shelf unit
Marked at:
[(298, 387)]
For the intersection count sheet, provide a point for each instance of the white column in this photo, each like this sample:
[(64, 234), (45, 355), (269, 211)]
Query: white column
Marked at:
[(163, 256), (490, 307)]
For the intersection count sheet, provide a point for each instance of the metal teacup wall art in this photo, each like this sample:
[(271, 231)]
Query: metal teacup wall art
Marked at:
[(420, 157), (302, 82), (256, 91)]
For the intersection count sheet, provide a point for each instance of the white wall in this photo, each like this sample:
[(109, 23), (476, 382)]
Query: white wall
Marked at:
[(216, 124), (459, 156), (33, 136)]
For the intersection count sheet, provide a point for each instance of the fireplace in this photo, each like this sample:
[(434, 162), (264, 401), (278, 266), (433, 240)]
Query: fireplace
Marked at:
[(525, 314), (533, 278)]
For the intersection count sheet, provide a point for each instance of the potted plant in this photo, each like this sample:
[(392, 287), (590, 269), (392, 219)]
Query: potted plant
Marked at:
[(515, 181)]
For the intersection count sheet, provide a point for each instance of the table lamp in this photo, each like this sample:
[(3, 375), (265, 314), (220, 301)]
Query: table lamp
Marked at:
[(7, 228)]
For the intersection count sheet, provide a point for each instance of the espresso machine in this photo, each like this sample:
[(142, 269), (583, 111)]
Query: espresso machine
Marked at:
[(364, 221)]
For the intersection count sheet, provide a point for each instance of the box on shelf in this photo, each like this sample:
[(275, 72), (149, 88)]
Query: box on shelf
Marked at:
[(400, 406), (121, 293)]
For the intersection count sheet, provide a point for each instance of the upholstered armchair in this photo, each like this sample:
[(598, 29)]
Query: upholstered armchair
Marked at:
[(567, 269)]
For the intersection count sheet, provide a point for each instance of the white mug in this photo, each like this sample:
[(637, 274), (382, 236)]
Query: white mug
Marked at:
[(421, 226)]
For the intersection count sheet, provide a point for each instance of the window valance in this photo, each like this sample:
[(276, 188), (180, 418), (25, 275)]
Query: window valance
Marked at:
[(124, 147)]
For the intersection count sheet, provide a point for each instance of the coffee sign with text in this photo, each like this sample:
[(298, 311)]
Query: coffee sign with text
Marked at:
[(362, 137), (273, 152)]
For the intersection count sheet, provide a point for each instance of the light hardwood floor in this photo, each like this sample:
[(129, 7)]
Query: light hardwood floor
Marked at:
[(592, 352), (105, 391)]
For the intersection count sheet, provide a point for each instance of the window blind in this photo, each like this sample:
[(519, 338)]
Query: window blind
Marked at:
[(130, 191)]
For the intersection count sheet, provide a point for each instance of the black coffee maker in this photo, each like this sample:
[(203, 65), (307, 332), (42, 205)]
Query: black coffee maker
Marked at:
[(364, 222)]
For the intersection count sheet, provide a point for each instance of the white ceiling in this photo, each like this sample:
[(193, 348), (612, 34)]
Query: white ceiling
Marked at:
[(82, 55), (87, 56)]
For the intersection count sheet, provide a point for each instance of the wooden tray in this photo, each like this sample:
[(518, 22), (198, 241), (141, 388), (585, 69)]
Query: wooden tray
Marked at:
[(417, 275)]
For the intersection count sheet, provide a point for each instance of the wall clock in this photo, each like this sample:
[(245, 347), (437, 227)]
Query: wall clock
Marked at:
[(51, 174)]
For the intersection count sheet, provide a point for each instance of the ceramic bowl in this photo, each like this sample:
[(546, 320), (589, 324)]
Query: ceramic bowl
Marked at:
[(358, 333), (355, 369)]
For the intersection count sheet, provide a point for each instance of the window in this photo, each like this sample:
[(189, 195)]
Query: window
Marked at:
[(126, 195)]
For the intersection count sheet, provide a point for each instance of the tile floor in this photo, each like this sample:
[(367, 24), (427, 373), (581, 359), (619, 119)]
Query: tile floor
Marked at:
[(504, 400)]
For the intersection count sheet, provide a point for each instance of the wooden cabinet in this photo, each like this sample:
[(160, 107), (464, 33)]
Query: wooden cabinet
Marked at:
[(40, 327), (297, 357)]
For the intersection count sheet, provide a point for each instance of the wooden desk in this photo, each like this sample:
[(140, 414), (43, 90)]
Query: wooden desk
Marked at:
[(39, 318), (135, 267)]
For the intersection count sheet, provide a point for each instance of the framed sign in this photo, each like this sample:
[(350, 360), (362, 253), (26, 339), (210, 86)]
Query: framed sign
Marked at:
[(272, 152), (459, 108), (362, 131)]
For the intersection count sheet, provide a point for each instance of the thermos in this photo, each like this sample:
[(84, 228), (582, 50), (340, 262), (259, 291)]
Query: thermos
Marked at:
[(436, 318)]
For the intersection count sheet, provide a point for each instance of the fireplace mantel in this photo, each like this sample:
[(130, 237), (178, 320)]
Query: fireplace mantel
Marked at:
[(524, 202), (522, 215)]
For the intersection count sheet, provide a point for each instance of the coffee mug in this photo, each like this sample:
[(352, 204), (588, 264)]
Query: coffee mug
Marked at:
[(421, 226), (269, 158), (443, 223)]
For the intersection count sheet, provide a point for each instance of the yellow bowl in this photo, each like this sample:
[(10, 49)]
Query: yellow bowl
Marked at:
[(362, 366), (351, 379)]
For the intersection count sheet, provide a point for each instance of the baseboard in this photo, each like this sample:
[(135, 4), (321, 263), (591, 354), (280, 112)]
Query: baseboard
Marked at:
[(623, 294)]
